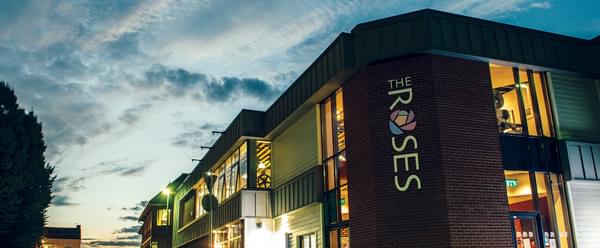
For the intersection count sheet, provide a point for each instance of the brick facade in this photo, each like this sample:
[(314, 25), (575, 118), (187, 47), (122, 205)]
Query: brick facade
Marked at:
[(462, 200)]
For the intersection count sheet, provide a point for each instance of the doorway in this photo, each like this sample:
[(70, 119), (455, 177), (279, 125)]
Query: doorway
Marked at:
[(526, 229)]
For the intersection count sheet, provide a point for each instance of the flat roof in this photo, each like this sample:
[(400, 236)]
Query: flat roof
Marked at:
[(62, 232)]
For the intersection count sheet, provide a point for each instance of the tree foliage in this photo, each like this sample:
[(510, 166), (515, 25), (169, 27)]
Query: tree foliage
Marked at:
[(25, 177)]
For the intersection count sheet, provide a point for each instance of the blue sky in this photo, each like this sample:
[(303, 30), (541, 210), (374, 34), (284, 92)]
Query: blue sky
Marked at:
[(129, 90)]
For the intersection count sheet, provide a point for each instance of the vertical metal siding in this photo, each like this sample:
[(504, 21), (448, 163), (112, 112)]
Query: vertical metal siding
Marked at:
[(301, 191), (577, 107)]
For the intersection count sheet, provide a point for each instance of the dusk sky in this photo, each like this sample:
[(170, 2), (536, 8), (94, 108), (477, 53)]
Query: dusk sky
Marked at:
[(128, 91)]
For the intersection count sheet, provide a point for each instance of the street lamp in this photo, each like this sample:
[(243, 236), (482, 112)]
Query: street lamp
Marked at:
[(167, 192)]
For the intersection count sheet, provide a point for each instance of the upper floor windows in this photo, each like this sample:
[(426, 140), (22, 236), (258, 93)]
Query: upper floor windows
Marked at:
[(263, 169), (521, 101), (231, 175), (334, 135), (162, 217)]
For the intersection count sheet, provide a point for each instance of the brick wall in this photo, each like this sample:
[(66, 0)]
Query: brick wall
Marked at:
[(462, 200)]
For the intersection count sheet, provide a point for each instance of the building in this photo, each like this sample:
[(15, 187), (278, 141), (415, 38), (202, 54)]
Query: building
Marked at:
[(61, 237), (426, 129), (157, 228)]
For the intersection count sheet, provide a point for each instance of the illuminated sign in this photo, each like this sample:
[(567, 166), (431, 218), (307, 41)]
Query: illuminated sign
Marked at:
[(513, 183), (401, 122)]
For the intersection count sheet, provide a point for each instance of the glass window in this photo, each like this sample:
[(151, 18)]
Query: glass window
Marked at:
[(518, 188), (333, 239), (525, 87), (335, 168), (243, 166), (162, 217), (344, 208), (339, 121), (263, 170), (546, 201), (542, 100), (344, 238), (229, 236), (307, 241), (561, 212), (200, 193), (188, 209), (520, 99), (506, 99), (327, 128), (330, 175)]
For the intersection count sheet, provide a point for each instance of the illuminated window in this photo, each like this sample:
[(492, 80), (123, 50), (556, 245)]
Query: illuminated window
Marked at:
[(521, 101), (539, 195), (200, 193), (232, 174), (337, 202), (263, 169), (307, 241), (229, 236), (162, 217)]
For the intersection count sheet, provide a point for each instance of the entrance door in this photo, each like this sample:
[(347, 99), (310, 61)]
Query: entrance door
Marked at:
[(526, 227)]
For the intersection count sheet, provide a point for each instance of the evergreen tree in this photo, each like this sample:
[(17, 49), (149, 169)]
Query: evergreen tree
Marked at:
[(25, 177)]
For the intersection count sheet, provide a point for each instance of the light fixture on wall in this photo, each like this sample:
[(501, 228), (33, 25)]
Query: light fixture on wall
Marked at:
[(258, 223)]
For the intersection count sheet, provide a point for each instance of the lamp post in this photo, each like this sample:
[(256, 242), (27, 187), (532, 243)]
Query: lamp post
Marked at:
[(210, 214), (167, 192)]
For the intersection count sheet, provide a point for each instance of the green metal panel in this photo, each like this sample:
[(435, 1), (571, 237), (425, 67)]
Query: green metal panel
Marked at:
[(577, 107), (295, 149), (303, 190)]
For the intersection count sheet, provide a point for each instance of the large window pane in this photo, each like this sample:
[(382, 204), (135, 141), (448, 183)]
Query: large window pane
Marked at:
[(344, 237), (333, 239), (330, 177), (525, 86), (560, 209), (332, 206), (518, 189), (545, 206), (327, 128), (344, 206), (542, 99), (339, 121), (342, 171), (506, 99), (243, 166), (162, 217)]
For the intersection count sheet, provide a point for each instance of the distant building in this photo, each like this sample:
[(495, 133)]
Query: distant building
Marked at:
[(156, 229), (61, 237)]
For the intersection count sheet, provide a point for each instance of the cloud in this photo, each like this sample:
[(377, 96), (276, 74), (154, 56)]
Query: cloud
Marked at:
[(128, 229), (137, 207), (61, 201), (540, 5), (134, 236), (121, 167), (180, 82), (128, 218), (195, 136), (113, 243)]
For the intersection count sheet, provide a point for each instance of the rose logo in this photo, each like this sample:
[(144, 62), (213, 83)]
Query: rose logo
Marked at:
[(401, 121)]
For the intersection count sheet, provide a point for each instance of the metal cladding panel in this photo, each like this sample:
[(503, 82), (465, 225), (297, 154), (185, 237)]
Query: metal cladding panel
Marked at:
[(582, 160), (577, 106), (585, 214), (299, 192)]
